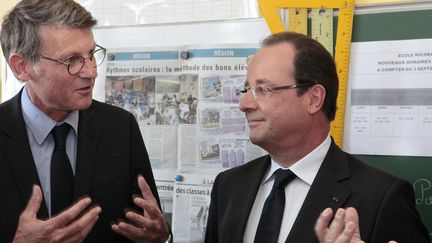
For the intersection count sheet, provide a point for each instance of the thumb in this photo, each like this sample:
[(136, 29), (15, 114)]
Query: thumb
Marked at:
[(34, 203)]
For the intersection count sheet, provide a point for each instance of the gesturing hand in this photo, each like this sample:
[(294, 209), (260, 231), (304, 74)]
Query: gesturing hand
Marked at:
[(147, 227), (67, 226), (343, 229)]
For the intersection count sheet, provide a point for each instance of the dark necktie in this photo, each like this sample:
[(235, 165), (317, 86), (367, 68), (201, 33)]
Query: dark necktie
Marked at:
[(271, 216), (61, 171)]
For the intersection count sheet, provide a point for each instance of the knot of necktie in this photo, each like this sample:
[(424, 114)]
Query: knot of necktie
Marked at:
[(60, 134), (282, 178)]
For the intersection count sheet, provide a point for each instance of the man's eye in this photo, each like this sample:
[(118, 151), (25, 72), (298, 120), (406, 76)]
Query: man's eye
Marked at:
[(73, 59), (92, 53), (260, 90)]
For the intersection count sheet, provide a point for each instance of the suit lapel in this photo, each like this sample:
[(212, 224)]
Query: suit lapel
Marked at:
[(18, 152), (86, 160), (326, 191), (254, 176)]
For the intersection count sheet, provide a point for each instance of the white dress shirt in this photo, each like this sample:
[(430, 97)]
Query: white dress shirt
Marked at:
[(295, 192)]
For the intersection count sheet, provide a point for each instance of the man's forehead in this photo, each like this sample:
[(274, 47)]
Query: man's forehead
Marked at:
[(53, 36)]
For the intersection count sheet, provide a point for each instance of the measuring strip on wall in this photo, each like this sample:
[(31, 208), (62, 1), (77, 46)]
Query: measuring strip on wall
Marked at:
[(297, 20), (322, 27)]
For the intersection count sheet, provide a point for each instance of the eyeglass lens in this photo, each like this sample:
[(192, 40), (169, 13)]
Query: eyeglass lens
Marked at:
[(256, 91), (77, 63)]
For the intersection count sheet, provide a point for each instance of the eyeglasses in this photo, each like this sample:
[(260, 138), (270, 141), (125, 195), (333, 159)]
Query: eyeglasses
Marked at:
[(267, 91), (76, 63)]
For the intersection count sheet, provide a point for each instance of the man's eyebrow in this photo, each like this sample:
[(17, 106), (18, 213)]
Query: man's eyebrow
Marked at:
[(262, 81), (77, 53), (258, 81)]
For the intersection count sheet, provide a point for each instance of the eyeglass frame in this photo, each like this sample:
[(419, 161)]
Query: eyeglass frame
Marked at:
[(269, 90), (99, 48)]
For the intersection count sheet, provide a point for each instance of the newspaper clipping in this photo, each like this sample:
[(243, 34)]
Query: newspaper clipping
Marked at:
[(185, 100)]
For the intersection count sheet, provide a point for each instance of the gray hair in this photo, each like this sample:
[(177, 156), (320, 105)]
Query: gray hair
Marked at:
[(20, 27)]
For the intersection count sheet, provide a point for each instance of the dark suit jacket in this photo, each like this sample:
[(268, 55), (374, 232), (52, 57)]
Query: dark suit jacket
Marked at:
[(385, 203), (110, 155)]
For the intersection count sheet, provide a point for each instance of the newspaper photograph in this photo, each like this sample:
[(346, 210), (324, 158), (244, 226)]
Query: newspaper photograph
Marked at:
[(218, 119), (213, 154), (155, 100), (218, 88)]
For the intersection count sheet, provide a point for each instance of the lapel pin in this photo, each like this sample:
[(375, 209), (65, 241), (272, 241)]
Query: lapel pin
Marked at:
[(335, 199)]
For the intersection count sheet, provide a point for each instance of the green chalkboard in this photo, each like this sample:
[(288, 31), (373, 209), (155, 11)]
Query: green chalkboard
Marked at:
[(392, 26), (401, 26), (418, 171)]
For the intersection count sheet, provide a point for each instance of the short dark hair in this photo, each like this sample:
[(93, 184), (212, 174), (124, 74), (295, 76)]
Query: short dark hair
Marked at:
[(20, 27), (312, 64)]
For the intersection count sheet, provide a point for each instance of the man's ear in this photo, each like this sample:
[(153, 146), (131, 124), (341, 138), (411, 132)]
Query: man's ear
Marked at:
[(317, 94), (19, 66)]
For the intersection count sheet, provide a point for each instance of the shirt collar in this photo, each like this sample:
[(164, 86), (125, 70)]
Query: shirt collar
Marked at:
[(307, 167), (38, 123)]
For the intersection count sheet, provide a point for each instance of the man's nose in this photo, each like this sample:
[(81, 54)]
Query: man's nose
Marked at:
[(247, 102)]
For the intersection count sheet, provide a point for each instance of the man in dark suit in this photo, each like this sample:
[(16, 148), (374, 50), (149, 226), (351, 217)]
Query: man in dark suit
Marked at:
[(289, 100), (104, 164)]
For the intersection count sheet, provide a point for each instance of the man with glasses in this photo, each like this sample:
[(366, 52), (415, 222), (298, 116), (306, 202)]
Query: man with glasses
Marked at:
[(72, 169), (289, 100)]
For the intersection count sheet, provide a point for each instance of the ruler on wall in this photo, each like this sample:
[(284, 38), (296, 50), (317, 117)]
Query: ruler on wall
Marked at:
[(297, 20), (269, 9), (322, 27)]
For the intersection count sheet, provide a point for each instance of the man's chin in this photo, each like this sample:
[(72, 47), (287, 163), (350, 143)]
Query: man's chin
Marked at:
[(84, 104), (255, 139)]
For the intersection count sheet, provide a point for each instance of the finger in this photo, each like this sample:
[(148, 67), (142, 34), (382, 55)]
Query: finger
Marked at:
[(155, 224), (70, 214), (134, 233), (336, 226), (352, 215), (151, 209), (34, 202), (137, 219), (145, 189), (116, 228), (79, 229), (347, 233), (321, 225)]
